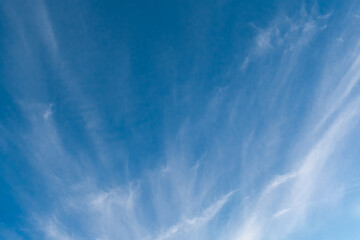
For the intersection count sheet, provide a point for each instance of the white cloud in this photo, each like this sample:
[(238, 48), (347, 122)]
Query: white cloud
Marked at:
[(48, 113), (281, 212), (278, 180), (46, 29), (189, 224), (52, 230)]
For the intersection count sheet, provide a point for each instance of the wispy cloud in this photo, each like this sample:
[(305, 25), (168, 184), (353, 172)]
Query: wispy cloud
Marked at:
[(46, 29), (297, 196), (288, 34), (281, 212), (296, 199), (48, 112), (53, 231), (189, 224), (278, 180)]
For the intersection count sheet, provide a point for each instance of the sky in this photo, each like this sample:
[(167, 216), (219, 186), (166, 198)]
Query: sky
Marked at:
[(155, 120)]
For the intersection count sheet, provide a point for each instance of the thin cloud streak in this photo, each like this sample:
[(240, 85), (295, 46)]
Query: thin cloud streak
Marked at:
[(188, 224)]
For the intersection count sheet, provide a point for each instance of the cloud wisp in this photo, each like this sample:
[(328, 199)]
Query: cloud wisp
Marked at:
[(189, 224)]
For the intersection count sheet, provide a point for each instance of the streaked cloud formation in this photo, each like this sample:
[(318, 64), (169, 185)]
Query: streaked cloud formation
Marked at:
[(189, 120)]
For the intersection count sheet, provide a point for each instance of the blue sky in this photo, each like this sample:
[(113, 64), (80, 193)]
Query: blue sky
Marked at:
[(229, 120)]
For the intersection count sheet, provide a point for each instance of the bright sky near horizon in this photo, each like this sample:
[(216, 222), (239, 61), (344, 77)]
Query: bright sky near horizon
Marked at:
[(192, 119)]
